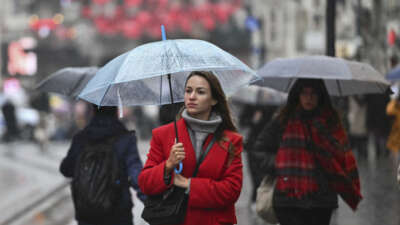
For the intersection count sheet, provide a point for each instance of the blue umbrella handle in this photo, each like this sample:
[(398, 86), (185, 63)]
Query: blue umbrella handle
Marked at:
[(164, 36), (178, 171)]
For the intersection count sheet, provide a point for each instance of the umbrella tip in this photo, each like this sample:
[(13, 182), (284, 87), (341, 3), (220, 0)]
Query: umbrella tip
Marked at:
[(164, 37)]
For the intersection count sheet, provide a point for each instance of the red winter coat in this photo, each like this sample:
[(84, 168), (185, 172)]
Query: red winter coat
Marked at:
[(217, 186)]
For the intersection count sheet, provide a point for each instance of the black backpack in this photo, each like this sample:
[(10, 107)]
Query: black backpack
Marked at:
[(97, 183)]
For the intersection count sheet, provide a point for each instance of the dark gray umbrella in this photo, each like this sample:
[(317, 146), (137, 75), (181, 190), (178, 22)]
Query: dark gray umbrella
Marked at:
[(341, 77), (68, 81), (257, 95)]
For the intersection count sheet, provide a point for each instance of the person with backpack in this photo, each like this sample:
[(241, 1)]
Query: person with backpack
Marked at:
[(103, 162), (208, 141)]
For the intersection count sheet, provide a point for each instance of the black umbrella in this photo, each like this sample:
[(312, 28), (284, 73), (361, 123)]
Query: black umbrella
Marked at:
[(68, 81)]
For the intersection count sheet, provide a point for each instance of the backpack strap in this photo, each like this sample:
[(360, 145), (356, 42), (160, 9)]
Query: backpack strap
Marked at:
[(203, 155)]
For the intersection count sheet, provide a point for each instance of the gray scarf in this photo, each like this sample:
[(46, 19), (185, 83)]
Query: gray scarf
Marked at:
[(199, 129)]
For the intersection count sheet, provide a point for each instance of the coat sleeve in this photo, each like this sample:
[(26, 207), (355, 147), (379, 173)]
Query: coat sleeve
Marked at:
[(209, 193), (268, 142), (68, 163), (133, 164), (151, 178)]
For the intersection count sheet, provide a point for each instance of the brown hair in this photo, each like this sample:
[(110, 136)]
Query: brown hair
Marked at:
[(221, 107), (293, 100)]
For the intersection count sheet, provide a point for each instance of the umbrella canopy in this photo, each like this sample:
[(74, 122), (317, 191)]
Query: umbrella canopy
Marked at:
[(140, 76), (68, 81), (394, 74), (341, 77), (256, 95)]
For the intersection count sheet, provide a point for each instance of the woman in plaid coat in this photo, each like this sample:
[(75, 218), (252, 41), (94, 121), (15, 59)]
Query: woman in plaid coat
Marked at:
[(309, 155)]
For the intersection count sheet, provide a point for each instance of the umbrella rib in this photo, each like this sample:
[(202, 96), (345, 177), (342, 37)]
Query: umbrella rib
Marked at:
[(76, 85), (339, 87), (220, 68), (102, 98), (380, 87), (179, 53), (288, 84), (161, 89)]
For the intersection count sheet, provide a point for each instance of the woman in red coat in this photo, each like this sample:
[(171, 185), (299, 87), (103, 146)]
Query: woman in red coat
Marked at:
[(217, 185)]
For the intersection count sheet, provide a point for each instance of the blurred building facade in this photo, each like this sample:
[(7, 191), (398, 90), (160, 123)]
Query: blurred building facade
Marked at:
[(90, 32), (293, 28), (94, 31)]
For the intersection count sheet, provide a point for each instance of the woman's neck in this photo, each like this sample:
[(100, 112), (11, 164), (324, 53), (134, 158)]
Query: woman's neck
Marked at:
[(309, 114), (205, 126), (202, 116)]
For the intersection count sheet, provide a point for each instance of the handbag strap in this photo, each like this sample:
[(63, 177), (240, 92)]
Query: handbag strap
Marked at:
[(203, 155)]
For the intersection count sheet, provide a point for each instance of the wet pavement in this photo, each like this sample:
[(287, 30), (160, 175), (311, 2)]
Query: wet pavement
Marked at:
[(28, 178), (381, 203)]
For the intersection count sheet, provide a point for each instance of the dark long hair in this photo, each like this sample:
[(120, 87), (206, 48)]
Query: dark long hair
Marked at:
[(293, 101), (221, 107)]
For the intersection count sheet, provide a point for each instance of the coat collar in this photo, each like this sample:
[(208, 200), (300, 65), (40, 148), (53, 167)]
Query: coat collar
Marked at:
[(189, 162)]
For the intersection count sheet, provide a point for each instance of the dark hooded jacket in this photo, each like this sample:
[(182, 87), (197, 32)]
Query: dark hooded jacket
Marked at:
[(102, 127)]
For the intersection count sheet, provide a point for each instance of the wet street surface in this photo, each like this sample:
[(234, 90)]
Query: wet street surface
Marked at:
[(32, 191), (381, 203)]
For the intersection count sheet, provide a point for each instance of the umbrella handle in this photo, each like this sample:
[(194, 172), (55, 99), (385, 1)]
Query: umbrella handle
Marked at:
[(178, 171), (164, 37)]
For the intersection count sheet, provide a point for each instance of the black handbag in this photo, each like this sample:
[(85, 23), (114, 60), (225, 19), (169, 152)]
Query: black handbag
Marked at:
[(170, 206), (167, 208)]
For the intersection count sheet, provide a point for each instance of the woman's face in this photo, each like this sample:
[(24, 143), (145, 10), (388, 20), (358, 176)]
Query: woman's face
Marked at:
[(198, 98), (308, 98)]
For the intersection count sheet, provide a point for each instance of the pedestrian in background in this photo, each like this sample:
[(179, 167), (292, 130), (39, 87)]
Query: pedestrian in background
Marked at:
[(168, 112), (255, 117), (378, 122), (216, 187), (309, 157), (357, 117), (40, 102), (12, 131), (393, 109), (103, 126)]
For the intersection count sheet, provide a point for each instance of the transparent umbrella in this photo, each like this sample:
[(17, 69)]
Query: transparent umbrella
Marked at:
[(341, 77), (140, 76)]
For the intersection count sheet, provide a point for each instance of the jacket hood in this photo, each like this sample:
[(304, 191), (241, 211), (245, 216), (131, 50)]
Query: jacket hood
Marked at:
[(102, 126)]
